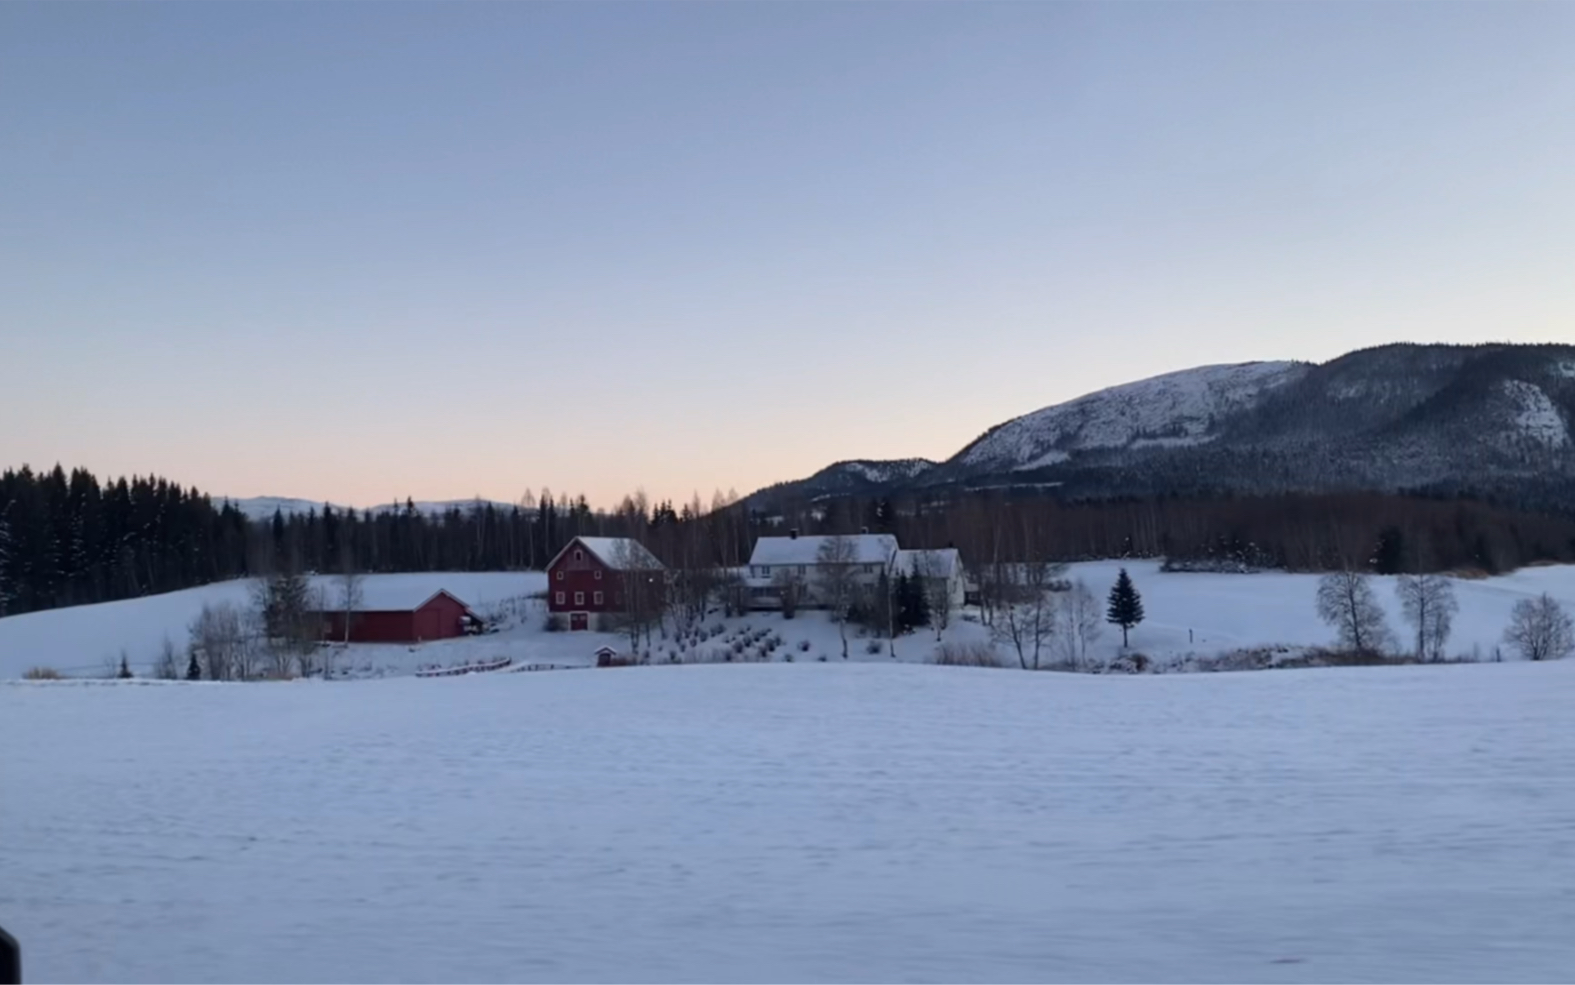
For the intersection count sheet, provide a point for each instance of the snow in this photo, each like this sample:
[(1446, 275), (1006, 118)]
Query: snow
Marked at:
[(797, 823), (1174, 409), (1538, 417), (619, 552), (1565, 368), (867, 549), (880, 472), (1190, 617), (80, 639), (1229, 612)]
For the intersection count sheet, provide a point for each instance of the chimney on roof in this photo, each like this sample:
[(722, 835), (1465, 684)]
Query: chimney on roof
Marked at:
[(793, 534)]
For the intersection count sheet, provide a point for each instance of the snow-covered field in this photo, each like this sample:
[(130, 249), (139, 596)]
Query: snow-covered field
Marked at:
[(810, 822), (80, 640), (1189, 617)]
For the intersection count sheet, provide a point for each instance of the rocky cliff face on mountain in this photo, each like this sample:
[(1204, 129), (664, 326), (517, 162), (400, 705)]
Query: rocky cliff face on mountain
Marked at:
[(1485, 420)]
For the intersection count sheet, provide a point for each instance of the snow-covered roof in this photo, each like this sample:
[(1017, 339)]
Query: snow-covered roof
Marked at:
[(619, 553), (379, 595), (944, 562), (867, 549)]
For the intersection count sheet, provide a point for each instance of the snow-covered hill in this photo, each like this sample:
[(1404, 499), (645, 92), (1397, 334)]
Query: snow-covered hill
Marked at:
[(1478, 420), (805, 822), (1176, 409)]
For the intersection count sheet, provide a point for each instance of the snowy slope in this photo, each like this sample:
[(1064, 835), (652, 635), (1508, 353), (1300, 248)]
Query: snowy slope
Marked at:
[(80, 639), (1182, 408), (1536, 417), (797, 823)]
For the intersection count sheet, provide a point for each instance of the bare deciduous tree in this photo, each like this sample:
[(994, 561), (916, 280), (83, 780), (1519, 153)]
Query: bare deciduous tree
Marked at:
[(1428, 603), (1025, 613), (937, 585), (167, 666), (790, 590), (645, 592), (1346, 602), (352, 597), (1540, 629), (835, 570), (1078, 623), (218, 637)]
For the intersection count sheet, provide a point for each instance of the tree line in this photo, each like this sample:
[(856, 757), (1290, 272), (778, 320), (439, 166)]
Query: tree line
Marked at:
[(68, 538)]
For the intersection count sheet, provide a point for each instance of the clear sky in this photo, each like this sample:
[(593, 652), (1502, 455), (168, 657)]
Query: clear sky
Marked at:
[(363, 251)]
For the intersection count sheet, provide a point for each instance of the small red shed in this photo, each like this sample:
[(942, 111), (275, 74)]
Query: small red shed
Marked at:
[(394, 614), (595, 575)]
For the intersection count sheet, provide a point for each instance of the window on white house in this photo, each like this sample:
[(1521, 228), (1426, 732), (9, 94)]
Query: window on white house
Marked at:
[(560, 598), (801, 570), (598, 597), (765, 571), (598, 574), (579, 598)]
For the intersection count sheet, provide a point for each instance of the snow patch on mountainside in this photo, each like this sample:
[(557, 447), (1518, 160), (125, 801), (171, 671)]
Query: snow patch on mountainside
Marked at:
[(1537, 417), (1565, 369), (882, 472), (1182, 408)]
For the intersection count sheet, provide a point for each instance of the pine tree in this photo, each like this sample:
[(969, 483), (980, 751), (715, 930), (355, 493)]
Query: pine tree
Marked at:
[(1126, 605), (125, 668), (7, 581), (193, 669), (1389, 556)]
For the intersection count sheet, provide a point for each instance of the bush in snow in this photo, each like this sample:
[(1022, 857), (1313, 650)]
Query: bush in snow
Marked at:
[(1540, 629), (41, 674), (873, 646), (803, 645), (965, 655), (555, 623)]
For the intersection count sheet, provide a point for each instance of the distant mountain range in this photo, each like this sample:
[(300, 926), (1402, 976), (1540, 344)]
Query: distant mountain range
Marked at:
[(264, 507), (1487, 419)]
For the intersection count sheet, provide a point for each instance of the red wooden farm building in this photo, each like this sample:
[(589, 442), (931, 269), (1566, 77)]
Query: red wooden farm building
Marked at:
[(589, 577), (396, 614)]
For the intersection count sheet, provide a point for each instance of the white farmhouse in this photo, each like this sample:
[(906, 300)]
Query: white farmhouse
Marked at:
[(796, 564)]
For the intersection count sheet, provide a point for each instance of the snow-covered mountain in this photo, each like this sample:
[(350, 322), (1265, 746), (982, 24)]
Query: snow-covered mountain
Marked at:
[(1487, 419), (1174, 410), (264, 507)]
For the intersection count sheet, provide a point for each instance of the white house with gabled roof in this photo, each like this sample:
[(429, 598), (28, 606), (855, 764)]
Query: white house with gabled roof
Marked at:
[(795, 563)]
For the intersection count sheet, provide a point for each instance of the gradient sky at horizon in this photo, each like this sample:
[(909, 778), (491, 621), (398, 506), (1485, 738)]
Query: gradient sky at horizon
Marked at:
[(355, 252)]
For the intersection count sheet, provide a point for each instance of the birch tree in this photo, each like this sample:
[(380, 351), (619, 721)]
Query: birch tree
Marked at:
[(835, 571), (1078, 623), (1346, 602), (1428, 604)]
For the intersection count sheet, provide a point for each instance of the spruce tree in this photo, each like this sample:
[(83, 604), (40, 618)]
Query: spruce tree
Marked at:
[(125, 668), (193, 669), (1126, 605)]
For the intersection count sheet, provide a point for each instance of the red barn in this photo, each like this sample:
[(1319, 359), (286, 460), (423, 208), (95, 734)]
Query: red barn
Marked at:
[(400, 614), (592, 576)]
